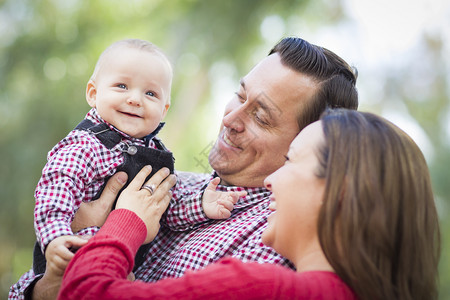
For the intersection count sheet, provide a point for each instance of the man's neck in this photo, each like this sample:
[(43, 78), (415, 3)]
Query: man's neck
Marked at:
[(241, 182)]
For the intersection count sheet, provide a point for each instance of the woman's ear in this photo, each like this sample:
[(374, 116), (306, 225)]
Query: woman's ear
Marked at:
[(91, 93)]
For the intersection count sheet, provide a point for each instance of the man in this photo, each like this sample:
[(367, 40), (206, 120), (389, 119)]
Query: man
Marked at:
[(286, 91)]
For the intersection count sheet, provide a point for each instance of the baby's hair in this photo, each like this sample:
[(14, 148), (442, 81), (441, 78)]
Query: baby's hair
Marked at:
[(132, 43)]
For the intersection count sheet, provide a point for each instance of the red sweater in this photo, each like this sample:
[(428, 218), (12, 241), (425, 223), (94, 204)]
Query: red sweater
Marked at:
[(99, 271)]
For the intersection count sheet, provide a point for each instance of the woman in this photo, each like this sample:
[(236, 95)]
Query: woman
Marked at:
[(354, 211)]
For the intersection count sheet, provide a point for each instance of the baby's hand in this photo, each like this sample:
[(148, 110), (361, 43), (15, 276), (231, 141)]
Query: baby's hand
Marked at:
[(59, 252), (218, 205)]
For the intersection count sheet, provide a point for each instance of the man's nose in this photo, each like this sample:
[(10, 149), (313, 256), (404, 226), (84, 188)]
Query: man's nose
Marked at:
[(234, 118)]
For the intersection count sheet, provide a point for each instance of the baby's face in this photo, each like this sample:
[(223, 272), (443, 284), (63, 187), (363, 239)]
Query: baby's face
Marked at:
[(131, 90)]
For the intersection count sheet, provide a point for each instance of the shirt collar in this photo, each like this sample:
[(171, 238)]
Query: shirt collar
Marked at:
[(254, 194), (95, 117)]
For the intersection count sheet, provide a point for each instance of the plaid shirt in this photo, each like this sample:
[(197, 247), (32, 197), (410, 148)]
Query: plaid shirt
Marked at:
[(188, 240), (76, 169)]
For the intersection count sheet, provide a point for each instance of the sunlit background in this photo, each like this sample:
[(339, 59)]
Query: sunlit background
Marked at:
[(48, 50)]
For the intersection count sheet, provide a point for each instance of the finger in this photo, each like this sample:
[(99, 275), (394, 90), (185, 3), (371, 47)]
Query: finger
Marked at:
[(241, 194), (169, 182), (60, 263), (139, 179), (227, 204), (159, 176), (224, 213), (166, 199), (164, 202), (212, 186), (67, 256), (236, 195), (131, 277), (86, 237), (64, 253), (113, 187), (74, 242), (165, 186), (234, 199)]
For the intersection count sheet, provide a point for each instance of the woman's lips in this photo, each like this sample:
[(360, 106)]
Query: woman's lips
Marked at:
[(273, 205)]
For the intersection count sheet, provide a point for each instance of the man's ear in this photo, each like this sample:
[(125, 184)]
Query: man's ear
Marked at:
[(91, 93)]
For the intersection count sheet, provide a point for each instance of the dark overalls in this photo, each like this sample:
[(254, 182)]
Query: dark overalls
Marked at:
[(135, 158)]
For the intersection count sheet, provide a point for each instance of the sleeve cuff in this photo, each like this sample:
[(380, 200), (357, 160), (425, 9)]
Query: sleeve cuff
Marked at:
[(28, 292), (126, 226)]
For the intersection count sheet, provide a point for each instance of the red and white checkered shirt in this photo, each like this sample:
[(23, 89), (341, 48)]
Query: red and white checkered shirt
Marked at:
[(195, 241), (75, 171), (191, 241)]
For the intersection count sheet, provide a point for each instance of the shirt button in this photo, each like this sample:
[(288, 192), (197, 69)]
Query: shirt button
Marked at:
[(132, 150)]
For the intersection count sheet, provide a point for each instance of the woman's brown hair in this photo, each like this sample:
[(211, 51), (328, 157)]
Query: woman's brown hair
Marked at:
[(378, 225)]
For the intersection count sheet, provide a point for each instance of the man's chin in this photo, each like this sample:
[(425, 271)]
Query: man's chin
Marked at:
[(222, 168), (219, 160)]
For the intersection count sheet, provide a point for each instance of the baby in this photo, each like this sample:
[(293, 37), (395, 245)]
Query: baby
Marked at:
[(129, 92)]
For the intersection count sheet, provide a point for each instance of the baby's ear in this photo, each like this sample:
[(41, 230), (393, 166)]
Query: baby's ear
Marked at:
[(91, 93), (166, 108)]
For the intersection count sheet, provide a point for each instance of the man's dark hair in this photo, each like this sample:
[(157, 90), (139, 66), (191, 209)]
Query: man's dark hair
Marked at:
[(335, 78)]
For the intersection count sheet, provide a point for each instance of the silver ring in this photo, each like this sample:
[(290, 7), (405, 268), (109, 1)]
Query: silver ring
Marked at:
[(150, 188)]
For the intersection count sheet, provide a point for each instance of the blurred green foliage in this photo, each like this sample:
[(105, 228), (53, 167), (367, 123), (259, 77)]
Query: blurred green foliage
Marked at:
[(49, 48)]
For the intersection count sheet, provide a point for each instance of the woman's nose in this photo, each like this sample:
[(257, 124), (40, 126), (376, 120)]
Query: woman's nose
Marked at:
[(267, 183)]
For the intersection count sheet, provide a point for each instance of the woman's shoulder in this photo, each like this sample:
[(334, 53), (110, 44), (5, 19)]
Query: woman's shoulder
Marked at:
[(270, 281), (324, 285), (301, 285)]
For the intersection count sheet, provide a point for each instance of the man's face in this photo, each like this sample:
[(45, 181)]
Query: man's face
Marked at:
[(259, 123)]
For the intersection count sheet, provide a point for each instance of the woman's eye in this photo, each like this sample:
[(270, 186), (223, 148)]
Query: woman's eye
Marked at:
[(122, 86)]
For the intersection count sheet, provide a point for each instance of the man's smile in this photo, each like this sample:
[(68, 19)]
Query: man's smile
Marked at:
[(228, 141)]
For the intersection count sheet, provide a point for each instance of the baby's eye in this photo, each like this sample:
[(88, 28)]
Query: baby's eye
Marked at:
[(151, 94), (122, 86)]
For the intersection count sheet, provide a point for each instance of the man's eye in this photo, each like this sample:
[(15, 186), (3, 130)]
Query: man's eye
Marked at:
[(122, 86), (260, 120), (242, 99)]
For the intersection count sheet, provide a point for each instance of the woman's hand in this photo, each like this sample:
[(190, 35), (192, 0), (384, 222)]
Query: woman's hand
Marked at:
[(148, 203)]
